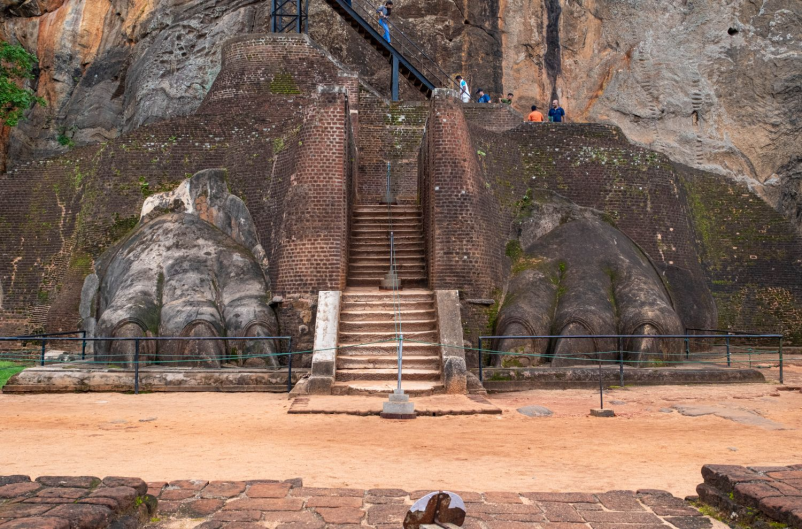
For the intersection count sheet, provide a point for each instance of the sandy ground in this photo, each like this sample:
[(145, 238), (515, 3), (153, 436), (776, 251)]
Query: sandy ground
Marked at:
[(251, 436)]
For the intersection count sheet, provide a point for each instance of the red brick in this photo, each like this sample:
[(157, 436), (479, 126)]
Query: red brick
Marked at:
[(16, 490), (189, 484), (62, 493), (502, 497), (620, 501), (265, 504), (342, 515), (387, 514), (560, 497), (137, 484), (561, 512), (387, 492), (268, 490), (39, 522), (237, 516), (81, 482), (305, 492), (22, 510), (334, 501), (155, 487), (223, 489), (177, 494), (200, 508), (89, 516), (621, 517)]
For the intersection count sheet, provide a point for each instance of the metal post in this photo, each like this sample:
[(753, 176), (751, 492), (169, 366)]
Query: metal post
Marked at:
[(299, 27), (83, 346), (44, 341), (289, 367), (601, 388), (273, 24), (395, 78), (480, 360), (400, 358), (729, 362), (621, 361), (687, 348), (781, 361), (136, 367)]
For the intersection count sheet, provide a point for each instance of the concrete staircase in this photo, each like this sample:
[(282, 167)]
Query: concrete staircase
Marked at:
[(367, 361), (369, 260)]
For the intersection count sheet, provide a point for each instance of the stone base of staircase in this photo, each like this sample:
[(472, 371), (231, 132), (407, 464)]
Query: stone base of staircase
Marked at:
[(431, 406)]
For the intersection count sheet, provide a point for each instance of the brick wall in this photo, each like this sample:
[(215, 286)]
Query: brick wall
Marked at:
[(292, 164), (389, 132), (492, 116)]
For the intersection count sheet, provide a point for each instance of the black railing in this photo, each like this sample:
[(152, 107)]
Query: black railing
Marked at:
[(137, 340), (619, 353)]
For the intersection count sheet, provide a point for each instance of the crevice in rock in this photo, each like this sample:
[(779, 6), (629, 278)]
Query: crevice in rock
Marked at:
[(552, 58)]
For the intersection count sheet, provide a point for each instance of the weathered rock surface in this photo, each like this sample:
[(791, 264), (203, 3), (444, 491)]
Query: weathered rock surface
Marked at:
[(711, 84), (574, 274), (192, 268)]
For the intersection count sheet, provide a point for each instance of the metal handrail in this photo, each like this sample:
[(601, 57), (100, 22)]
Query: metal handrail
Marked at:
[(426, 63)]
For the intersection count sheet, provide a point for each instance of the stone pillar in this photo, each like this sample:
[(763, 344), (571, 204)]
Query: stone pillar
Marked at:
[(455, 372), (324, 356)]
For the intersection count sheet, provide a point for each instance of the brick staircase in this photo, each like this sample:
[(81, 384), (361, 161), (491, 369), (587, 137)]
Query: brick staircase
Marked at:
[(369, 260), (367, 362)]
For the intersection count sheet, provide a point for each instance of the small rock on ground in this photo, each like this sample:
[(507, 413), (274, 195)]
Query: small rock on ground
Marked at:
[(535, 411)]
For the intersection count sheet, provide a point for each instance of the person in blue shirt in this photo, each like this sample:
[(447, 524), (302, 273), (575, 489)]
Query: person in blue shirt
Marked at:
[(556, 112), (483, 98), (384, 13)]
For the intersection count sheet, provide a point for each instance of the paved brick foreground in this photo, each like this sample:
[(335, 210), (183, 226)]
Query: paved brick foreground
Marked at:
[(289, 505), (775, 492), (83, 502)]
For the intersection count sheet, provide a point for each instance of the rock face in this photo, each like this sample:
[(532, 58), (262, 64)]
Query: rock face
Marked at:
[(712, 84), (191, 269)]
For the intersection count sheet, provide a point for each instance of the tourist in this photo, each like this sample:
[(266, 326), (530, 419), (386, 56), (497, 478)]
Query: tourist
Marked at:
[(483, 98), (464, 91), (384, 14), (556, 112), (508, 100), (535, 116)]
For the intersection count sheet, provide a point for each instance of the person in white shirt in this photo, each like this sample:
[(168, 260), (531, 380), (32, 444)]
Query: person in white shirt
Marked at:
[(464, 91)]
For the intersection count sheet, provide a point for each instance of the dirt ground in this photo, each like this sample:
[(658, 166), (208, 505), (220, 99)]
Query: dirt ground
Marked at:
[(251, 436)]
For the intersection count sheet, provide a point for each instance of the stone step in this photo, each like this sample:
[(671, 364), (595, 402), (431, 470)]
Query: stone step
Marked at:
[(388, 362), (384, 238), (398, 231), (381, 269), (388, 305), (387, 315), (381, 388), (360, 210), (367, 337), (383, 250), (347, 375), (352, 295), (382, 219), (406, 282), (386, 326), (378, 259), (389, 348)]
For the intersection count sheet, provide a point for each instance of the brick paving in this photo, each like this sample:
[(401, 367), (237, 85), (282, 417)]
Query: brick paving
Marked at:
[(746, 492), (65, 502), (290, 505)]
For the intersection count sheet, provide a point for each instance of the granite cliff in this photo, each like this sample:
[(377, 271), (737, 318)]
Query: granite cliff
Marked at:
[(714, 85)]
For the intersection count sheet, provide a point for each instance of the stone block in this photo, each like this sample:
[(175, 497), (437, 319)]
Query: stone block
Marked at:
[(598, 412), (305, 492), (64, 492), (223, 489), (177, 494), (561, 497), (38, 522), (690, 522), (124, 496), (137, 484), (18, 478), (334, 501), (189, 484), (561, 512), (620, 501), (22, 510), (387, 514), (237, 516), (341, 515), (15, 490), (268, 490), (502, 497), (200, 508), (84, 482), (265, 504), (83, 516)]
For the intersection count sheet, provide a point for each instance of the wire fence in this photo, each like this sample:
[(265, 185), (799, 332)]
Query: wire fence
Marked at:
[(719, 351)]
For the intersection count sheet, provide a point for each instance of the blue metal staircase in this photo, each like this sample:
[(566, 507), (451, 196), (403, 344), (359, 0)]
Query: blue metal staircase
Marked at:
[(405, 57)]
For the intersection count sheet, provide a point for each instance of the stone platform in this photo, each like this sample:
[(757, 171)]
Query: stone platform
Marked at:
[(433, 406), (753, 494), (77, 377), (501, 379)]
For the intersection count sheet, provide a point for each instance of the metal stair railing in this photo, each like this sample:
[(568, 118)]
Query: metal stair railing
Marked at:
[(411, 57)]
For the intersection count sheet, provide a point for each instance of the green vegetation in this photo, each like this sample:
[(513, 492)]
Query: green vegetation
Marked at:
[(65, 136), (16, 65), (8, 370), (283, 83)]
